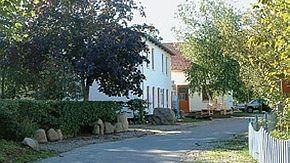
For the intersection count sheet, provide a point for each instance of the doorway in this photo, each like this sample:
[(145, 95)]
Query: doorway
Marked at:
[(182, 91)]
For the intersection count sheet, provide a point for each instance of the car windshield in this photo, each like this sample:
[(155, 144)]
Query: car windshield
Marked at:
[(256, 101)]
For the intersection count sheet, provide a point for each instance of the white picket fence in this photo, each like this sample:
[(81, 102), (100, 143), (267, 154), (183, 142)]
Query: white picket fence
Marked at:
[(267, 149)]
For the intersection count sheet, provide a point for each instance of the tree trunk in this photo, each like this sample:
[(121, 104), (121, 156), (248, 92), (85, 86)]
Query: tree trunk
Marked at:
[(207, 92), (86, 90), (3, 85)]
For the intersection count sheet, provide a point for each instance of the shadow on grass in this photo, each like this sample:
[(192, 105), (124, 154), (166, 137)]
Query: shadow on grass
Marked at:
[(234, 149)]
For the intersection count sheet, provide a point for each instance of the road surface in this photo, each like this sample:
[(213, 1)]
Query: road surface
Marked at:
[(169, 147)]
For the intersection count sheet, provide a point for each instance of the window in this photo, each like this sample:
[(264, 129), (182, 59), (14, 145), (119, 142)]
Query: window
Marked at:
[(147, 56), (152, 58), (162, 97), (148, 94), (183, 93), (162, 63), (166, 65), (158, 97), (171, 100), (167, 98), (153, 98)]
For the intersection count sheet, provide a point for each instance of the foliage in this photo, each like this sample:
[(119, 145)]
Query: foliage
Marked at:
[(282, 130), (206, 28), (14, 152), (269, 45), (20, 118), (138, 106), (13, 14), (14, 125), (71, 44)]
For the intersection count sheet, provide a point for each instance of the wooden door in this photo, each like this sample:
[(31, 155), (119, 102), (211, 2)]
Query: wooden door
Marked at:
[(183, 98)]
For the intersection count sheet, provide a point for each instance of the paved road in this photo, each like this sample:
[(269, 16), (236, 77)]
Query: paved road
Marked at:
[(165, 148)]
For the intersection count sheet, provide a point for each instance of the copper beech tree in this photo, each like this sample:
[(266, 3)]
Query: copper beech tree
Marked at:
[(71, 44)]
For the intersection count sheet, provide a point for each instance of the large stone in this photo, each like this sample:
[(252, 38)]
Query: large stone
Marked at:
[(59, 134), (102, 126), (40, 136), (109, 128), (118, 127), (164, 116), (31, 143), (96, 129), (52, 135), (122, 118)]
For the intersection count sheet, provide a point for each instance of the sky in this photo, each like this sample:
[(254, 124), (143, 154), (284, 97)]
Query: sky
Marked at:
[(161, 14)]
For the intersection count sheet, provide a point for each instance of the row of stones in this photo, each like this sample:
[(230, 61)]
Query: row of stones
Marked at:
[(99, 128)]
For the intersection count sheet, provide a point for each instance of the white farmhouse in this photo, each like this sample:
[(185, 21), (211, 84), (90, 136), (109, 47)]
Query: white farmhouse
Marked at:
[(190, 102), (157, 86)]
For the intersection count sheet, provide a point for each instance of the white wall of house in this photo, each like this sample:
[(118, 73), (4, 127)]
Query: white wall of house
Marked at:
[(196, 103), (157, 86)]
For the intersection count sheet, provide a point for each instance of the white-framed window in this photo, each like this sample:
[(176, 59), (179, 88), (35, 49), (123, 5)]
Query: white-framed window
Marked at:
[(162, 63), (148, 95), (152, 58), (158, 97), (153, 97), (166, 65), (162, 97), (167, 98), (147, 51)]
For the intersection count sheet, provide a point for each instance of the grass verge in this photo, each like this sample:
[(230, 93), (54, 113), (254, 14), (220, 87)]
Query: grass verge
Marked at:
[(190, 120), (15, 152), (226, 151)]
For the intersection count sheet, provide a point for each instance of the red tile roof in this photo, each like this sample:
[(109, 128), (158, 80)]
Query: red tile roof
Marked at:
[(178, 62)]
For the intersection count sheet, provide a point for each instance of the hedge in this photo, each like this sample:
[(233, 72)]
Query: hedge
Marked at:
[(20, 118)]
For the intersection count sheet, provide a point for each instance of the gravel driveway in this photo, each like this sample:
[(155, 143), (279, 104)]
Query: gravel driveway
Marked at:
[(169, 144)]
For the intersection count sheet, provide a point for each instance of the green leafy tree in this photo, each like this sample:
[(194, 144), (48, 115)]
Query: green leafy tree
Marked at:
[(269, 44), (71, 44), (209, 35), (13, 14)]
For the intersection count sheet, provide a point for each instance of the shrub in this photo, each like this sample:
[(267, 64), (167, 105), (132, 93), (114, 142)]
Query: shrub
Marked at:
[(138, 106), (20, 118)]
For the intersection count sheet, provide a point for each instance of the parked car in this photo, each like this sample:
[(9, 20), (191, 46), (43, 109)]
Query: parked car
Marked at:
[(255, 104)]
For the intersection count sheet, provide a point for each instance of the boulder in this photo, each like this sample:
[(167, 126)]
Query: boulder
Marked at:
[(118, 127), (59, 134), (122, 118), (31, 143), (101, 126), (52, 135), (109, 128), (164, 116), (40, 136), (96, 129)]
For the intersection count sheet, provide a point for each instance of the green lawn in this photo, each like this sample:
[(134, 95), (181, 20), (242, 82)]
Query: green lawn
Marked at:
[(227, 151), (12, 152)]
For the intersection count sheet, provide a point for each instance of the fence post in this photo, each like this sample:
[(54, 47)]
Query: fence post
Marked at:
[(288, 150), (265, 121), (256, 126)]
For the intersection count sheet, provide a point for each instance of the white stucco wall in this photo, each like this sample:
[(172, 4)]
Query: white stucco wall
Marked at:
[(179, 77), (195, 100), (157, 78), (154, 78)]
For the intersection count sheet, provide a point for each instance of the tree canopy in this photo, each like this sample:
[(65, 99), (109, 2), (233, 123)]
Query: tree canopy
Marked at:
[(71, 44), (269, 42), (209, 35)]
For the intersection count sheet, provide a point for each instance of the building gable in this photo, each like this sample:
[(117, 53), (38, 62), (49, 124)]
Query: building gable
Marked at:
[(178, 62)]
